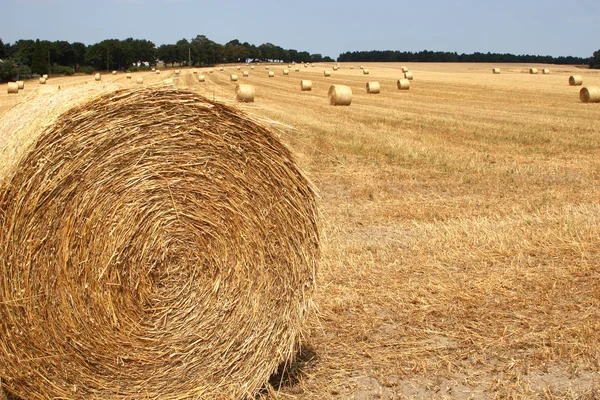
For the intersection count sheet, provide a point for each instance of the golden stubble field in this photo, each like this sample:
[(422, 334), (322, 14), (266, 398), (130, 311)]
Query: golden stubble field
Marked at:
[(461, 221)]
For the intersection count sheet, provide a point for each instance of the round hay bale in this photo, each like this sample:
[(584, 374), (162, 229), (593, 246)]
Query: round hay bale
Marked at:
[(45, 76), (233, 77), (575, 80), (533, 71), (335, 67), (404, 69), (366, 71), (352, 67), (257, 63), (128, 76), (361, 67), (590, 94), (140, 81), (545, 71), (326, 73), (252, 67), (271, 74), (266, 67), (195, 72), (246, 74), (201, 78), (408, 75), (153, 69), (403, 84), (305, 85), (244, 93), (98, 77), (220, 68), (154, 258), (21, 85), (238, 68), (114, 72), (12, 88), (340, 95), (373, 87), (286, 72), (42, 81), (176, 72), (158, 72), (210, 71), (297, 69), (496, 70)]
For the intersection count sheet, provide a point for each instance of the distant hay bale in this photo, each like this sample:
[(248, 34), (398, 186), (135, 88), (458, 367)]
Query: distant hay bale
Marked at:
[(266, 67), (590, 94), (194, 72), (210, 71), (545, 71), (42, 80), (140, 81), (201, 78), (340, 95), (366, 71), (153, 244), (246, 74), (128, 76), (158, 72), (326, 73), (153, 69), (351, 67), (496, 70), (408, 75), (97, 77), (373, 87), (233, 77), (244, 93), (271, 74), (297, 69), (335, 67), (21, 85), (114, 72), (575, 80), (404, 69), (45, 76), (12, 88), (533, 71), (238, 68), (305, 85), (403, 84), (252, 67), (176, 72), (220, 68)]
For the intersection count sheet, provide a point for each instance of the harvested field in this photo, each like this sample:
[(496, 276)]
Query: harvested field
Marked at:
[(462, 244)]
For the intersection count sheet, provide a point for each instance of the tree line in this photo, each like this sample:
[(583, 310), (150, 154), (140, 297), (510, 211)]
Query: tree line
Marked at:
[(444, 56), (27, 57)]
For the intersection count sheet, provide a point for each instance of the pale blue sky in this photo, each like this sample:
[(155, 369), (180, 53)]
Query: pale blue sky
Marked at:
[(549, 27)]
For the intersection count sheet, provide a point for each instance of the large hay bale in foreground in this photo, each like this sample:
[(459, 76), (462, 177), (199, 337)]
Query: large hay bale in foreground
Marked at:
[(590, 94), (244, 93), (163, 248), (340, 95), (575, 80)]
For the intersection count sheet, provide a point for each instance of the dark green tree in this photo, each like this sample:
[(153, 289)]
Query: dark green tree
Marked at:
[(2, 51), (8, 71), (38, 61), (595, 60)]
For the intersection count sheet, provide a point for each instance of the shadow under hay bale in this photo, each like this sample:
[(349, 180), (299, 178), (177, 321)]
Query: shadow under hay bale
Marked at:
[(290, 374), (145, 257)]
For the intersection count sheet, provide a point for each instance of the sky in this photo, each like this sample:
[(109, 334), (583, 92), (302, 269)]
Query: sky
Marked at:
[(328, 27)]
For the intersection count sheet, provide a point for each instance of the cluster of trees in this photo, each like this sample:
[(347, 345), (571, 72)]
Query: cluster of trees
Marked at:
[(25, 57), (595, 60), (444, 56)]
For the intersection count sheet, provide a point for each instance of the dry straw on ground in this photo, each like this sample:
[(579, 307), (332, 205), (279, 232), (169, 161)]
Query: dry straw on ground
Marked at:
[(21, 85), (244, 93), (12, 88), (340, 95), (143, 257), (403, 84), (305, 85), (373, 87), (575, 80), (590, 94)]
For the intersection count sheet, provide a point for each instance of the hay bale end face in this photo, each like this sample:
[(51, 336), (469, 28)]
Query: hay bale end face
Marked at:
[(252, 67), (403, 84), (575, 80), (21, 85), (305, 85), (373, 87), (238, 68), (12, 88), (340, 95), (159, 225), (244, 93), (590, 94), (220, 68), (194, 72), (210, 71), (158, 72)]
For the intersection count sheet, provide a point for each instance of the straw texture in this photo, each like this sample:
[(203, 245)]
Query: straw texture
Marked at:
[(590, 94), (153, 244), (340, 95)]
